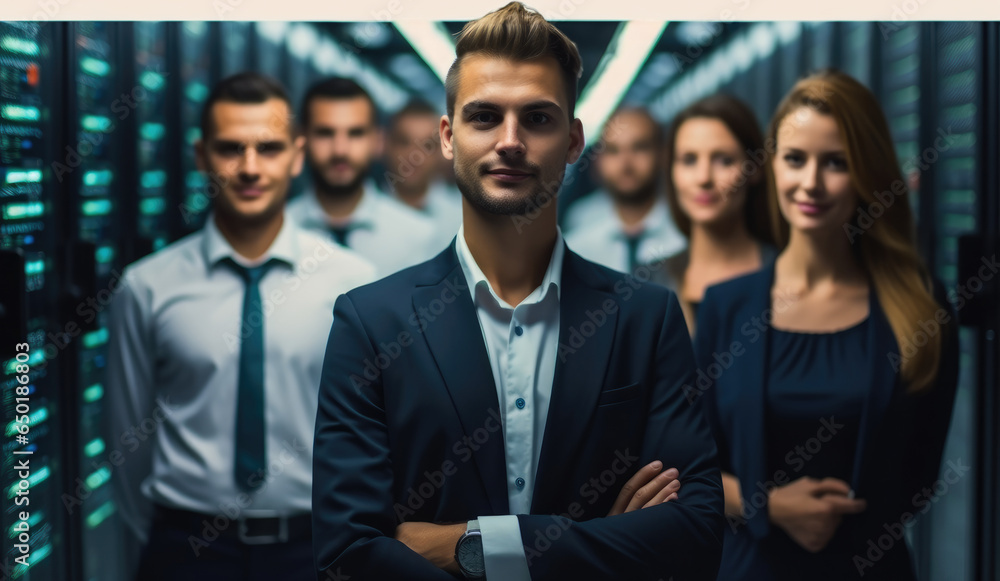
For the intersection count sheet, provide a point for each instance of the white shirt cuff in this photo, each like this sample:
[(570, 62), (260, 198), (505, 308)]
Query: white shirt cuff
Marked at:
[(503, 553)]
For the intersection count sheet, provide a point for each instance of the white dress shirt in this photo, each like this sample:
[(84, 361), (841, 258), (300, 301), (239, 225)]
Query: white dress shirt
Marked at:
[(443, 207), (522, 344), (384, 231), (173, 367), (604, 241), (588, 209)]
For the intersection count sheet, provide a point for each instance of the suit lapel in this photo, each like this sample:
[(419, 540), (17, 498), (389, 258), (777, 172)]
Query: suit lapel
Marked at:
[(455, 339), (581, 363)]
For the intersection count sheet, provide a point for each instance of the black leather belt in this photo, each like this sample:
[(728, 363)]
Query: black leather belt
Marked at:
[(251, 527)]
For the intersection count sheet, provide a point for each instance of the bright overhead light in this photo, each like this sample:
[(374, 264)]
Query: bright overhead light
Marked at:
[(302, 40), (698, 33), (628, 50), (325, 57), (273, 30), (369, 34), (432, 41)]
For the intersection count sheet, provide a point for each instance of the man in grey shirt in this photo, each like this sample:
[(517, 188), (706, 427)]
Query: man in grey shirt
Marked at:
[(343, 139), (215, 356)]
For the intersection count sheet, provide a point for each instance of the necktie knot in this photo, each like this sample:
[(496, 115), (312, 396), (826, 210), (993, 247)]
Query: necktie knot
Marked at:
[(632, 250), (340, 233), (252, 275)]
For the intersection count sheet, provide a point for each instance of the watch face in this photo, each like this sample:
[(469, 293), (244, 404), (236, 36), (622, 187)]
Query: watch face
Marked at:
[(470, 555)]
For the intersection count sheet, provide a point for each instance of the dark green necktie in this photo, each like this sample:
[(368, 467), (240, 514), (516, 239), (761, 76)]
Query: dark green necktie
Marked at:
[(250, 428), (340, 233), (632, 244)]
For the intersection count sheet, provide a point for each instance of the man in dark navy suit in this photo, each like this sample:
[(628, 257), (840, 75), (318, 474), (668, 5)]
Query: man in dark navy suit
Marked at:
[(507, 409)]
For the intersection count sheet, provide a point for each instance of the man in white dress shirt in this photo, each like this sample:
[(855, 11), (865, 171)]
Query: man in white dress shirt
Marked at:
[(216, 341), (628, 223), (343, 138), (413, 163)]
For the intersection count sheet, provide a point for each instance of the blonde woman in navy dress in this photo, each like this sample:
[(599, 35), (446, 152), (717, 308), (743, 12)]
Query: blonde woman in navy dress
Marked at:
[(830, 376)]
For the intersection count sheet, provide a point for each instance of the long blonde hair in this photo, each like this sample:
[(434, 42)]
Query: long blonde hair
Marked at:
[(885, 244)]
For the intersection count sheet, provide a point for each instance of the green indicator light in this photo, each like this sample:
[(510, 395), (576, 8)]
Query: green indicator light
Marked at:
[(152, 131), (153, 179), (192, 135), (159, 243), (100, 515), (20, 113), (104, 254), (96, 123), (95, 338), (35, 518), (95, 67), (94, 447), (98, 479), (19, 211), (196, 92), (33, 480), (152, 81), (195, 180), (92, 394), (96, 208), (34, 359), (34, 267), (23, 176), (98, 177), (152, 206), (39, 416), (19, 45), (36, 556)]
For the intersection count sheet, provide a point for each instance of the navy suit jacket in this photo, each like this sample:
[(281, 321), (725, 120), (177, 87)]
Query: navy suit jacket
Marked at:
[(900, 441), (408, 430)]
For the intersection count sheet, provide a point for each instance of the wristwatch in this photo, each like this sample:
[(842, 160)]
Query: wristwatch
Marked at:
[(469, 552)]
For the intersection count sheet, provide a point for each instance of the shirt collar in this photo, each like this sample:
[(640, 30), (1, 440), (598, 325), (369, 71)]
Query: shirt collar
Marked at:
[(653, 223), (215, 247), (439, 194), (313, 215), (475, 278)]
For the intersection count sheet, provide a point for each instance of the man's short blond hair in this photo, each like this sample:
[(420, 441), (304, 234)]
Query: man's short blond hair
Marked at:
[(516, 33)]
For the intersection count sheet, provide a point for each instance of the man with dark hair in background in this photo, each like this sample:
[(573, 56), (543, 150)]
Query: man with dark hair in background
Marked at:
[(216, 337), (627, 223), (413, 164), (340, 122), (509, 410)]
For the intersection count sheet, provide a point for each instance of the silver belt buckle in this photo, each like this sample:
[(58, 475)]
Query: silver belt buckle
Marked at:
[(242, 528)]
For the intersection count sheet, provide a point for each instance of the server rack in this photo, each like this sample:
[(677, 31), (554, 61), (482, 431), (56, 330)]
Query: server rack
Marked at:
[(30, 103)]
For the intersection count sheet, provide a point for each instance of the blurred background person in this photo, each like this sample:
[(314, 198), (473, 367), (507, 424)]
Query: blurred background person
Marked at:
[(636, 228), (832, 411), (340, 122), (220, 337), (413, 162), (717, 193)]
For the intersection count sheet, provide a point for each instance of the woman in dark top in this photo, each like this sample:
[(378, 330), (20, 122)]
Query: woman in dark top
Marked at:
[(716, 188), (829, 377)]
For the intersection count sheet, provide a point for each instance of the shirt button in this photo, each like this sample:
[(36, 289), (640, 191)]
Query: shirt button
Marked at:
[(519, 482), (518, 331), (519, 403)]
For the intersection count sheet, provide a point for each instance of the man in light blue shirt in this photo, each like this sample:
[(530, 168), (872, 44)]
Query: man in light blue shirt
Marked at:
[(508, 385), (215, 356), (413, 163), (339, 120), (627, 223)]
